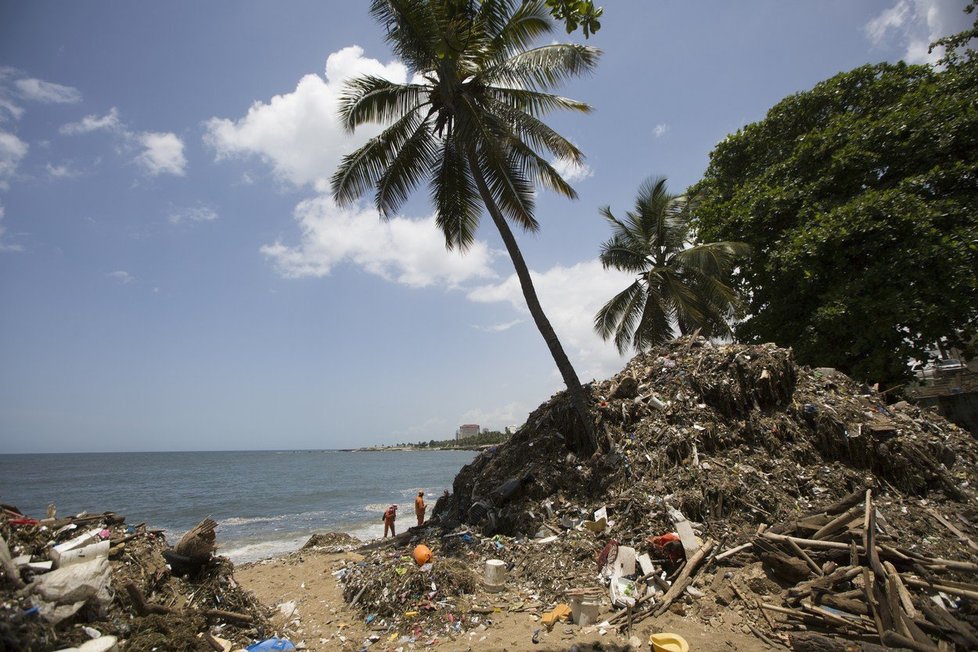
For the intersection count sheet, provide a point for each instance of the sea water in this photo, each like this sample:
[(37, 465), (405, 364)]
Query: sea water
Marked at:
[(265, 502)]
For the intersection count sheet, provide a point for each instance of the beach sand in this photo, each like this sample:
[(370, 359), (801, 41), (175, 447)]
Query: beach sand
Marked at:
[(324, 621)]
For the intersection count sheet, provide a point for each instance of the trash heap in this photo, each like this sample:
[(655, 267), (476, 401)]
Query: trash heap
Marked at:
[(718, 465), (95, 583)]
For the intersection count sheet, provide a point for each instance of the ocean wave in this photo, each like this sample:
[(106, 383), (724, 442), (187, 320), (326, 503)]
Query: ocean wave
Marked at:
[(246, 552)]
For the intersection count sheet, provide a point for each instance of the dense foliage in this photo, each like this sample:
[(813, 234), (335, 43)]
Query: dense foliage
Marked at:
[(860, 201), (677, 282), (471, 129)]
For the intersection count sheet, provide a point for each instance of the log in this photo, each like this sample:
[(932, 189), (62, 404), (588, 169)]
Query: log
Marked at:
[(855, 498), (815, 642), (871, 601), (896, 640), (788, 568), (684, 578), (804, 556), (228, 615), (940, 616), (837, 524), (144, 608), (953, 590)]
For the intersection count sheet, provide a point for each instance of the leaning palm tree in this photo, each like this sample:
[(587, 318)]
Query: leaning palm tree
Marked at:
[(675, 283), (470, 125)]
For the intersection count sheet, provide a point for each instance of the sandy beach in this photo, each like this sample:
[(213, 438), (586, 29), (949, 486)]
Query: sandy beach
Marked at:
[(322, 620)]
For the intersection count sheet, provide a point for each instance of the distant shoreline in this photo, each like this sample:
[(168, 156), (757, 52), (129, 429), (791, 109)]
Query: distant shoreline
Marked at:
[(384, 449)]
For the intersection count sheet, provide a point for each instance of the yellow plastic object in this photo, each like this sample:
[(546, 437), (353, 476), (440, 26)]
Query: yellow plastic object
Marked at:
[(422, 554), (667, 642)]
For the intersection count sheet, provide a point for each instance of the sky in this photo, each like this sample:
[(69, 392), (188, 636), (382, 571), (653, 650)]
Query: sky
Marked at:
[(174, 274)]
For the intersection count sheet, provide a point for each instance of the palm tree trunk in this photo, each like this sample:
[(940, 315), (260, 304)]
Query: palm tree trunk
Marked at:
[(585, 441)]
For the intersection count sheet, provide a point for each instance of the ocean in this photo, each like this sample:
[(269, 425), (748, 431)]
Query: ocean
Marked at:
[(266, 503)]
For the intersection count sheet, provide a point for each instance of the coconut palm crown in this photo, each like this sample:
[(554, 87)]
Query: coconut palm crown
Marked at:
[(675, 283), (469, 126)]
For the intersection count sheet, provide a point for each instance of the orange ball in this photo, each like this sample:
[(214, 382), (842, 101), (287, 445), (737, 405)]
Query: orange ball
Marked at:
[(422, 554)]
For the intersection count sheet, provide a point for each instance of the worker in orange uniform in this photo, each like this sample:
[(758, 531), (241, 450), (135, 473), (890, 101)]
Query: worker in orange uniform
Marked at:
[(389, 516), (420, 507)]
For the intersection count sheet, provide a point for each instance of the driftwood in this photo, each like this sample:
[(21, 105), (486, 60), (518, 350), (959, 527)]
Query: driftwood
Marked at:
[(144, 608), (684, 578), (200, 541)]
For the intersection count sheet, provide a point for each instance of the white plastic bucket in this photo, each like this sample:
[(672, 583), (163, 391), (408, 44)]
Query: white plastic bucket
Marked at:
[(495, 574)]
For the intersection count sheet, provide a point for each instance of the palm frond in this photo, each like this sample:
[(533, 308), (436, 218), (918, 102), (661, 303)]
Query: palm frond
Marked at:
[(457, 202), (654, 327), (360, 170), (618, 317), (513, 31), (713, 258), (533, 102), (542, 68), (374, 99), (411, 30), (413, 160), (535, 132)]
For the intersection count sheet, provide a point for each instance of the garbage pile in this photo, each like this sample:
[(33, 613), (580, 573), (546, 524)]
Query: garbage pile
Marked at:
[(719, 463), (95, 583)]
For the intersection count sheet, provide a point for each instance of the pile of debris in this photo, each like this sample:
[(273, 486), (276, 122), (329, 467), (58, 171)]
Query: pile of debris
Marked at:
[(722, 468), (91, 581)]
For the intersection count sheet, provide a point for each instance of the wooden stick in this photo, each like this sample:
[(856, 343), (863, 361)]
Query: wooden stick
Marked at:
[(681, 582), (953, 590), (144, 608), (904, 594), (837, 523), (808, 560), (733, 551), (228, 615), (896, 640), (770, 622), (871, 600), (955, 531)]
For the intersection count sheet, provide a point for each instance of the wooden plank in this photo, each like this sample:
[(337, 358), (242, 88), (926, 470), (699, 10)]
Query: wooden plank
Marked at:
[(837, 523), (955, 531)]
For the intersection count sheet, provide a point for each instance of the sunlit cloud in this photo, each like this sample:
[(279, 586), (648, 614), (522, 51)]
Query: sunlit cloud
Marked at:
[(162, 154), (4, 245), (299, 134), (12, 151), (401, 250), (660, 130)]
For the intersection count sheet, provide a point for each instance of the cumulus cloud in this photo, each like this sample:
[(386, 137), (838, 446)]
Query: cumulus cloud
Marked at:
[(406, 251), (914, 24), (122, 277), (108, 122), (193, 214), (12, 151), (37, 90), (4, 245), (162, 154), (571, 171), (298, 134), (660, 130), (570, 297)]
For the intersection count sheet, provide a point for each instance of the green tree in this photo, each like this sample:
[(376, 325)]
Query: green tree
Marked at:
[(676, 281), (860, 200), (472, 127)]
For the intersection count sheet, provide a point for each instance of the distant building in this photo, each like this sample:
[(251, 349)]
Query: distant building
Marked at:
[(467, 430)]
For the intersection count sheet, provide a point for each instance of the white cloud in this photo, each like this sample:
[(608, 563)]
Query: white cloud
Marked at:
[(6, 246), (8, 107), (499, 328), (122, 276), (90, 123), (162, 153), (571, 171), (193, 214), (570, 297), (37, 90), (298, 133), (12, 151), (660, 130), (915, 24), (401, 250), (62, 171)]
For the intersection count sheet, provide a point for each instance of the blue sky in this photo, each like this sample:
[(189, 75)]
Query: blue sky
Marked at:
[(174, 275)]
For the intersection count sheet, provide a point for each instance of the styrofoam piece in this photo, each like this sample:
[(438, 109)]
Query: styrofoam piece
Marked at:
[(82, 540), (645, 563), (688, 538), (624, 562), (81, 555)]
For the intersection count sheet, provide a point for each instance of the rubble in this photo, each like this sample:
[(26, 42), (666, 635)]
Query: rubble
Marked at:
[(720, 465), (111, 582)]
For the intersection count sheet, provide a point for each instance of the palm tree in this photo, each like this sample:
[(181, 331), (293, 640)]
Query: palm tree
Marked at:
[(675, 282), (471, 126)]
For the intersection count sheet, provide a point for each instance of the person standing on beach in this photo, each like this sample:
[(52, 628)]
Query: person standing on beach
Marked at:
[(420, 508), (389, 516)]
